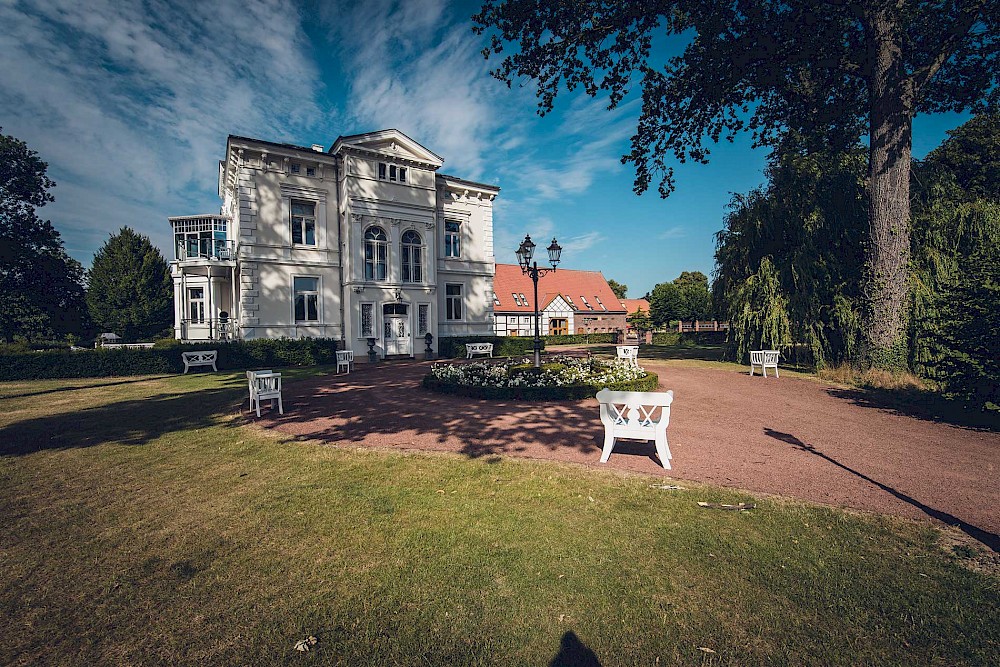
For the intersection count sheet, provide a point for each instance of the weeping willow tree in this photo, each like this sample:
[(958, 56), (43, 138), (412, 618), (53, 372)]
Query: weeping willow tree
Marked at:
[(759, 313), (809, 220)]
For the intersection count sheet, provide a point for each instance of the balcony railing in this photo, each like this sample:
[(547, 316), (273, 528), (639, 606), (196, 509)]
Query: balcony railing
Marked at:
[(209, 329), (214, 249)]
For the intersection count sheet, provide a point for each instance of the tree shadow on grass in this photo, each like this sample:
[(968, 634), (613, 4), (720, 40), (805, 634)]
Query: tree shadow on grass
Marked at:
[(924, 405), (132, 422), (991, 540), (387, 403), (75, 387)]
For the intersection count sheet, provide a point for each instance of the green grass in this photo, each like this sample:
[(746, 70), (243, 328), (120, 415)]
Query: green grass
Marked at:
[(144, 523)]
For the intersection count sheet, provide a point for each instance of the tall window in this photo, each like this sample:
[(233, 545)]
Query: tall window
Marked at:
[(453, 301), (558, 326), (303, 222), (306, 299), (196, 299), (452, 239), (367, 320), (422, 319), (376, 252), (412, 265)]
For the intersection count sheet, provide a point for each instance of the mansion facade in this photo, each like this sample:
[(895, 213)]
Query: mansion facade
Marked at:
[(364, 240)]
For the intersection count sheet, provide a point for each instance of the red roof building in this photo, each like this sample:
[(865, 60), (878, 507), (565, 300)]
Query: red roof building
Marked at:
[(569, 302)]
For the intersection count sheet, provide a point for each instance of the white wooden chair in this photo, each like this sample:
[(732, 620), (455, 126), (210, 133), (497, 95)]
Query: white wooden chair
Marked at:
[(264, 385), (478, 348), (629, 354), (345, 358), (636, 415), (765, 359)]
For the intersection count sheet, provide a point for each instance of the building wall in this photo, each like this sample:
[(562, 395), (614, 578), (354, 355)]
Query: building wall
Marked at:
[(257, 185)]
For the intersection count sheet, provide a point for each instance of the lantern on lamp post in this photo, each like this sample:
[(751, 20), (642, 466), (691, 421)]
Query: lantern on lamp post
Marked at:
[(525, 254)]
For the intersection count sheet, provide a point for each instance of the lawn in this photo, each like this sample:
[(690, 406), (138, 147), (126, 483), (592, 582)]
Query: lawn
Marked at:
[(144, 522)]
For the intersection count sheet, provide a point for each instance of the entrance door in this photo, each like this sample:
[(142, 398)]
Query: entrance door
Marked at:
[(396, 329)]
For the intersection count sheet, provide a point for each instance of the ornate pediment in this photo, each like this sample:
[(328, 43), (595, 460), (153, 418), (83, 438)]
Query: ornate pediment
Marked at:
[(390, 144)]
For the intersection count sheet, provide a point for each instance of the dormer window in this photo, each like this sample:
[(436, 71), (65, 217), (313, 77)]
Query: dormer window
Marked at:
[(392, 173), (598, 299), (524, 301), (517, 300), (496, 300)]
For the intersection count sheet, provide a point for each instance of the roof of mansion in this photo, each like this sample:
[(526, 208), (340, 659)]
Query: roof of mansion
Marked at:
[(584, 291)]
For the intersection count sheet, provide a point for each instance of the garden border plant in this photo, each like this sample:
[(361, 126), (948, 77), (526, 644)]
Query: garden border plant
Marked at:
[(515, 378)]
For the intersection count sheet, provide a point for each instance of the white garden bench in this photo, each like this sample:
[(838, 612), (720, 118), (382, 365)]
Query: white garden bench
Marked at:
[(629, 354), (265, 385), (478, 348), (636, 415), (765, 359), (202, 358)]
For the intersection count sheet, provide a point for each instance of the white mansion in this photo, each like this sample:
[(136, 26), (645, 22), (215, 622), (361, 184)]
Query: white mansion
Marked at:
[(364, 240)]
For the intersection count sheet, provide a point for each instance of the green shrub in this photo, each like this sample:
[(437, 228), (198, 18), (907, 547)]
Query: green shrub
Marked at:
[(564, 393), (608, 337), (503, 346), (165, 357), (689, 338)]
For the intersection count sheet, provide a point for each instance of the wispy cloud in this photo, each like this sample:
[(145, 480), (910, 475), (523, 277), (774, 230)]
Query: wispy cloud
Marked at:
[(576, 244), (130, 103), (408, 72), (675, 232)]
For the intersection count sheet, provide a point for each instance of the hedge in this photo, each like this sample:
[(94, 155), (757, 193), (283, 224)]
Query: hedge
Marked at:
[(503, 346), (165, 357), (512, 346), (573, 392), (689, 338)]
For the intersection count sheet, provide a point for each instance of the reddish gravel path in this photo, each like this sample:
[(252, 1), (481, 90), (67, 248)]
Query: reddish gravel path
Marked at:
[(787, 436)]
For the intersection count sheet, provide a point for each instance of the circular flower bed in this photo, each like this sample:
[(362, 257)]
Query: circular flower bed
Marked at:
[(559, 378)]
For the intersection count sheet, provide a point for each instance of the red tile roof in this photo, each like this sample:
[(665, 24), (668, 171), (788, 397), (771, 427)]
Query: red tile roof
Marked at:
[(586, 291), (632, 305)]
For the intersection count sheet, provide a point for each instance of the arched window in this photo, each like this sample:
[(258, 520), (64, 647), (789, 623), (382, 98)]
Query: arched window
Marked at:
[(412, 261), (376, 252)]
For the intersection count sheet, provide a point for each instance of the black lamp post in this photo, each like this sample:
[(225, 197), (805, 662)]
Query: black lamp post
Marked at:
[(524, 255)]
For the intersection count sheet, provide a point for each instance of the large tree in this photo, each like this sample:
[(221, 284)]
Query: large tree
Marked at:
[(620, 289), (41, 290), (129, 287), (836, 71)]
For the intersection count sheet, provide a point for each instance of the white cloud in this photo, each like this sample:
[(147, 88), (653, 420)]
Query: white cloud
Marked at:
[(130, 103), (430, 82), (675, 232), (577, 244)]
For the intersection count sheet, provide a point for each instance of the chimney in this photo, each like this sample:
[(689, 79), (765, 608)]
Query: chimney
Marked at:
[(318, 148)]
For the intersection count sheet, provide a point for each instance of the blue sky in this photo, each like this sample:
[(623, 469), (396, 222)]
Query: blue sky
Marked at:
[(130, 104)]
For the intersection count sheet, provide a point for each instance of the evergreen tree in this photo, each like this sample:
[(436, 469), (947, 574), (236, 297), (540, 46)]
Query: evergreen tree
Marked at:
[(129, 290), (41, 290)]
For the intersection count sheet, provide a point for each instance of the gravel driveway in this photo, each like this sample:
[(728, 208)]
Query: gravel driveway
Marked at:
[(789, 436)]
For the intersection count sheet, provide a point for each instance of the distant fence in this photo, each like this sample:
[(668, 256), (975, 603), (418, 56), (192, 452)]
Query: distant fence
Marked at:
[(697, 325)]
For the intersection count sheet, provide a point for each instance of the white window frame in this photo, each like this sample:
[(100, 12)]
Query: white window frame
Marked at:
[(361, 320), (200, 301), (376, 244), (450, 299), (454, 251), (319, 301), (409, 252), (303, 222)]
